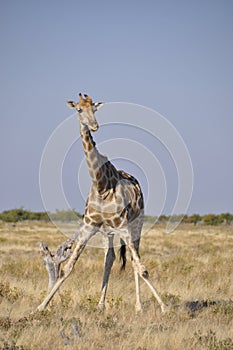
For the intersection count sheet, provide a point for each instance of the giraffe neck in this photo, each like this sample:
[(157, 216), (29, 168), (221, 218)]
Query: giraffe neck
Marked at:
[(103, 174)]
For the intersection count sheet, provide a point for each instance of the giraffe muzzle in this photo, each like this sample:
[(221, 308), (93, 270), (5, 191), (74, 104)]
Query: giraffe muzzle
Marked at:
[(94, 127)]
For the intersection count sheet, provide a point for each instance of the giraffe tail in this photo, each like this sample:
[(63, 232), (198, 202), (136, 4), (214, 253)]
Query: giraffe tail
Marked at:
[(123, 254)]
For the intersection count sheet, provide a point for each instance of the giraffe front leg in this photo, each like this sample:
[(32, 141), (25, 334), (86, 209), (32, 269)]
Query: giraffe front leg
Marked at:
[(85, 233), (109, 260)]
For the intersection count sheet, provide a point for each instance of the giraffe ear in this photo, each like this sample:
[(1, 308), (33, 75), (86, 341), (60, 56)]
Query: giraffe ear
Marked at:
[(98, 105), (71, 104)]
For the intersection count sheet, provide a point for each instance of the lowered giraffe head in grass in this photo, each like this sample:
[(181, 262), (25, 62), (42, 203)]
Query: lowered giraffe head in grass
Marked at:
[(86, 109)]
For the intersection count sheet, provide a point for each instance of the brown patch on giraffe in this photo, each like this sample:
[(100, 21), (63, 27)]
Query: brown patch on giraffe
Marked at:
[(109, 196), (90, 210), (107, 215), (89, 147), (102, 184), (98, 175), (87, 219), (85, 147), (96, 218), (116, 222), (108, 222), (134, 207), (86, 137)]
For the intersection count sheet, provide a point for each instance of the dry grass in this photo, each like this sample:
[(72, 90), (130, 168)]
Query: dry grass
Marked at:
[(192, 269)]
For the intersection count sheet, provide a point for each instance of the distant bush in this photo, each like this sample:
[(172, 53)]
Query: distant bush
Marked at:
[(15, 215), (227, 218), (65, 215), (193, 219), (21, 214), (163, 218), (212, 219)]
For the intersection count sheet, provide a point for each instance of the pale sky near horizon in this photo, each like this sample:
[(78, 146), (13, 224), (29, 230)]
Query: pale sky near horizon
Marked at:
[(172, 56)]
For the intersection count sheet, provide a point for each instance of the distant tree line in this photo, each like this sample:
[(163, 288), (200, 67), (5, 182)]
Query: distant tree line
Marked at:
[(22, 214), (16, 215), (208, 219)]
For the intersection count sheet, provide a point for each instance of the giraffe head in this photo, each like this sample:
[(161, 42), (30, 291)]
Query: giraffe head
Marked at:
[(86, 111)]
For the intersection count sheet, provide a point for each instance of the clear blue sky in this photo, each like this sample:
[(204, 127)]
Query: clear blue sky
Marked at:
[(173, 56)]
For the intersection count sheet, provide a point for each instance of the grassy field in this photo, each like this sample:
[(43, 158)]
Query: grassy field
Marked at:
[(191, 268)]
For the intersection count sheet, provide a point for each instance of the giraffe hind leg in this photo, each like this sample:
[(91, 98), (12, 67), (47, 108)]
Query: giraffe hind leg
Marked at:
[(143, 273), (138, 305), (109, 260), (163, 306), (123, 254)]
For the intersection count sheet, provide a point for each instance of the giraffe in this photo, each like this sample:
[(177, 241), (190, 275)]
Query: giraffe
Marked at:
[(114, 204)]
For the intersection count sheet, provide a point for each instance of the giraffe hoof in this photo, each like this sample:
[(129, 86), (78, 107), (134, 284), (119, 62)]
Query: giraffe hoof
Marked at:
[(164, 308), (138, 310), (100, 307), (145, 274)]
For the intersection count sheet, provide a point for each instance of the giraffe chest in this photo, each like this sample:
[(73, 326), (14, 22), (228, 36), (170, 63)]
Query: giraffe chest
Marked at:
[(114, 207)]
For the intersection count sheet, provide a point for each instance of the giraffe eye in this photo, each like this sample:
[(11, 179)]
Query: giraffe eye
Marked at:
[(79, 110)]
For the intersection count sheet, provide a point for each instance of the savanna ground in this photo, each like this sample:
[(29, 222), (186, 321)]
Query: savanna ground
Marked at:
[(191, 268)]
